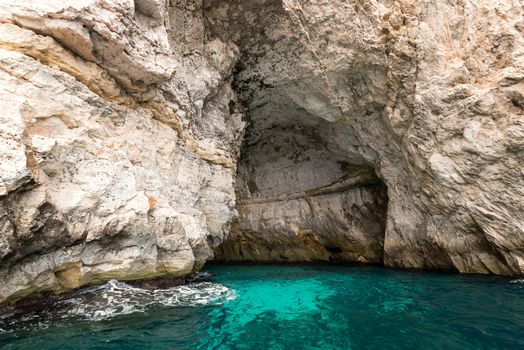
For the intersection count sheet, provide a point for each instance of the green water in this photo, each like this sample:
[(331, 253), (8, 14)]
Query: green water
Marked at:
[(283, 307)]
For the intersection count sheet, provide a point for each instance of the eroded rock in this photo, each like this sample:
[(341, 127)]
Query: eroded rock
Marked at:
[(428, 94), (118, 149), (384, 131)]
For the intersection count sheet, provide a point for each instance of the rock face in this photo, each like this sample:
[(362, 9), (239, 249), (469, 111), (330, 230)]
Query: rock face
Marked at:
[(381, 131), (428, 94), (118, 145)]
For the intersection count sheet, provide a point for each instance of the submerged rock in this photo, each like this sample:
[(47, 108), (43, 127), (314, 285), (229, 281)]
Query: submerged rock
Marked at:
[(387, 132)]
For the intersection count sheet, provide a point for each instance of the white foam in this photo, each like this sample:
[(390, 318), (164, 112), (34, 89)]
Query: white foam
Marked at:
[(118, 298), (517, 281)]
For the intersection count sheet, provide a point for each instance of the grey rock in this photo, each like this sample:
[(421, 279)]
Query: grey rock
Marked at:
[(428, 94), (118, 149)]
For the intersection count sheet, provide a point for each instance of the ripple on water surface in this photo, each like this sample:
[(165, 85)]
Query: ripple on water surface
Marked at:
[(283, 307)]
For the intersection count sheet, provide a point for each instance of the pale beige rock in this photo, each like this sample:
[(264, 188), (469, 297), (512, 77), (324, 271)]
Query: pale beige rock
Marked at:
[(427, 93), (103, 171), (121, 131)]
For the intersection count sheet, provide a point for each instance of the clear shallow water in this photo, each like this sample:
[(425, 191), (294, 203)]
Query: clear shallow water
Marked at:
[(283, 307)]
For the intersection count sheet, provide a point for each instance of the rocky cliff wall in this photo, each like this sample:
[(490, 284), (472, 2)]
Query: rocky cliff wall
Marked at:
[(380, 131), (428, 94), (118, 145)]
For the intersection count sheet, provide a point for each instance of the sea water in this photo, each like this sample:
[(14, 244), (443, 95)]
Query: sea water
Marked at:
[(282, 307)]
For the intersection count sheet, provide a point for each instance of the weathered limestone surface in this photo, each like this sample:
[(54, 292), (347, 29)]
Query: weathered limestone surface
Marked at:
[(117, 144), (429, 94), (379, 131)]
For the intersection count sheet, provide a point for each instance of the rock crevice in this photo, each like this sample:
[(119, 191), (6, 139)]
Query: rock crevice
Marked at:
[(118, 147)]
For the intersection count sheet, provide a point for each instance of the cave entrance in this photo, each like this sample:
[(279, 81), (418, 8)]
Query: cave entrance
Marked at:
[(304, 193), (306, 188)]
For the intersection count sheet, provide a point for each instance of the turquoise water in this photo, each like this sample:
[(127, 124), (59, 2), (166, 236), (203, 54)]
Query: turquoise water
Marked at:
[(283, 307)]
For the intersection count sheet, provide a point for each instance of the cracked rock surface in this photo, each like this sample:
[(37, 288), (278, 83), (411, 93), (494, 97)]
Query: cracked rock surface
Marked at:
[(427, 94), (384, 131), (118, 147)]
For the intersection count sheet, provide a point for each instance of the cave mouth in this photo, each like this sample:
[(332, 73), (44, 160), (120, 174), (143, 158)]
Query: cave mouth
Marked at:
[(306, 189), (304, 193)]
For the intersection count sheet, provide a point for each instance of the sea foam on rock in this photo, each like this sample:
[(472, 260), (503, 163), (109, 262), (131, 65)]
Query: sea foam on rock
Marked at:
[(114, 299)]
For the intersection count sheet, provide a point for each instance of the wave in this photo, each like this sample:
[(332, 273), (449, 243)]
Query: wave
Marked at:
[(116, 298)]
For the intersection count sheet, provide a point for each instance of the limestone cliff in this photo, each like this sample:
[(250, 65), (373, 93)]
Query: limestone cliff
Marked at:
[(428, 94), (380, 131), (118, 146)]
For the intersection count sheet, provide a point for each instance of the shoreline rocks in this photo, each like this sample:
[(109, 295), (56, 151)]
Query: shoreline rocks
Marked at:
[(118, 147), (390, 131)]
